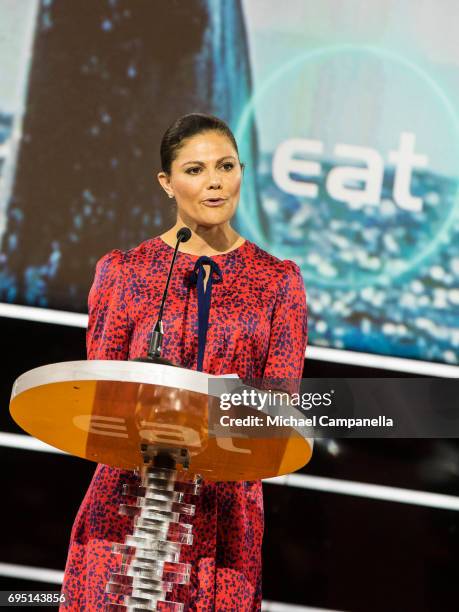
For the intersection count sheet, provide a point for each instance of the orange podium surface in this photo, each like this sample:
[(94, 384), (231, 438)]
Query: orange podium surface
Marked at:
[(105, 410)]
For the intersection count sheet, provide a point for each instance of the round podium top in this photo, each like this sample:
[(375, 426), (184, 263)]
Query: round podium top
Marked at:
[(105, 410)]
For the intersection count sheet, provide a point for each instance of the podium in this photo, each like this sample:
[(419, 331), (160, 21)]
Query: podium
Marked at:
[(156, 420)]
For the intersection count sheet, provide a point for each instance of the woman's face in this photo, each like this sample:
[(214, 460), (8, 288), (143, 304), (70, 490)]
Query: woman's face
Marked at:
[(205, 180)]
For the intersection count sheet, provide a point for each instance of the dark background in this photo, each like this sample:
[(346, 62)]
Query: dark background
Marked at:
[(106, 80)]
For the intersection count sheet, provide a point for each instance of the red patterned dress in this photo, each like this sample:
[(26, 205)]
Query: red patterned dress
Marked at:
[(257, 327)]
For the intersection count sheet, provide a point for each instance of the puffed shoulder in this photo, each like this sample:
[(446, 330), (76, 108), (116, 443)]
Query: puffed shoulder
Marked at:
[(108, 268), (291, 275), (112, 259), (290, 267)]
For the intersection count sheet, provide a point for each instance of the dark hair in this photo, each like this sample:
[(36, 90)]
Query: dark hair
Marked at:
[(186, 127)]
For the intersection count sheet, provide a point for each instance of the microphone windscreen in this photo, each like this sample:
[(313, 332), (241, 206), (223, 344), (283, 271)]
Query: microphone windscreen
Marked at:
[(184, 234)]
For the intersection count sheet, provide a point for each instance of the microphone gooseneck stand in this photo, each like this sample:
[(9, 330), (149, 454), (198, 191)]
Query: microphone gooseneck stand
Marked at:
[(150, 565), (156, 341)]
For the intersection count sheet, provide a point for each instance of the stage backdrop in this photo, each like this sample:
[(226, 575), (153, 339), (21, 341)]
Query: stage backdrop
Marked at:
[(345, 114)]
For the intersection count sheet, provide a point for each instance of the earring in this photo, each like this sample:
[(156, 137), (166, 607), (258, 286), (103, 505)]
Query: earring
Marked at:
[(171, 195)]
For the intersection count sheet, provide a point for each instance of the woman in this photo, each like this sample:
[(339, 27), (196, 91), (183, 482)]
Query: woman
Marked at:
[(257, 328)]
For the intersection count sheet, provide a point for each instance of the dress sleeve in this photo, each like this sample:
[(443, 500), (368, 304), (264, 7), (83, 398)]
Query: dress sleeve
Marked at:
[(107, 336), (289, 331)]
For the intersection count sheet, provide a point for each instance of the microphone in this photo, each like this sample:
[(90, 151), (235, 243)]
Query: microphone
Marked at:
[(156, 341)]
